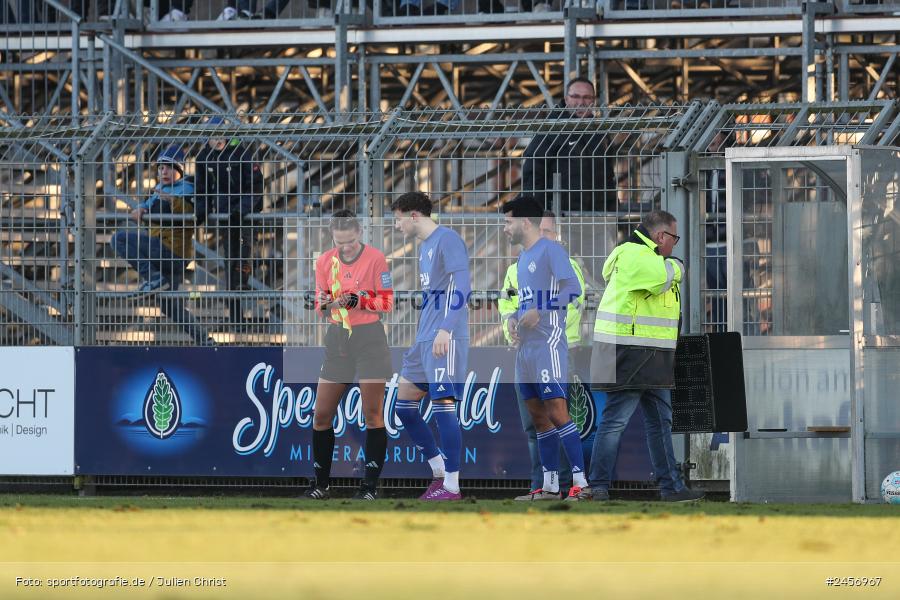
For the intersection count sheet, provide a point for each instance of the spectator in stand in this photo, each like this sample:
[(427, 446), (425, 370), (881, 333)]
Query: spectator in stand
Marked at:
[(496, 7), (586, 174), (580, 164), (246, 9), (414, 8), (229, 182), (161, 252), (174, 10)]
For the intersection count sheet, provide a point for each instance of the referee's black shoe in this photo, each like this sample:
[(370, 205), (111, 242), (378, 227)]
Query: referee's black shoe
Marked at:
[(316, 493), (365, 493)]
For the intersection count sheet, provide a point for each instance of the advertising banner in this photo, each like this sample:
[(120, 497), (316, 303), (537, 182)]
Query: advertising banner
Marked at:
[(37, 410), (230, 412)]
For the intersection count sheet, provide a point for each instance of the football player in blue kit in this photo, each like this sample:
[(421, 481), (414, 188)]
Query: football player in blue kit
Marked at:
[(436, 363), (547, 285)]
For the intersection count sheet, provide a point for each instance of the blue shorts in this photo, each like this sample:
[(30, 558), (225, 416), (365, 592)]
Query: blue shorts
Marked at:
[(542, 370), (443, 377)]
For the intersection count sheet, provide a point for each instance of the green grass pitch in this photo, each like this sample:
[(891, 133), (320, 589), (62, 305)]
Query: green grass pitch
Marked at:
[(244, 547)]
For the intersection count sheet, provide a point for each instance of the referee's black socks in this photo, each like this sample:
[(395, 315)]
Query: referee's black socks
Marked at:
[(323, 449), (376, 446)]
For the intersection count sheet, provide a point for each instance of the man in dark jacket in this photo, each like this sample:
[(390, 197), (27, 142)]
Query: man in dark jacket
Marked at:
[(633, 358), (229, 181), (587, 180)]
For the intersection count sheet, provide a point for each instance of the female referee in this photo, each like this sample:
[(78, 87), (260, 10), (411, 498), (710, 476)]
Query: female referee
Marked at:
[(353, 289)]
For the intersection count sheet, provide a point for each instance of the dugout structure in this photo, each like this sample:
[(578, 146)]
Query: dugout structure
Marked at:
[(814, 288)]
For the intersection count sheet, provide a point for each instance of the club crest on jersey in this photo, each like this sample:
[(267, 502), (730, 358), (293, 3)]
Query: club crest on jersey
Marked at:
[(532, 267)]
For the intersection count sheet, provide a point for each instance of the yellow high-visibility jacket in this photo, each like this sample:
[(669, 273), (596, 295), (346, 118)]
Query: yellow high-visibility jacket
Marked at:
[(638, 318)]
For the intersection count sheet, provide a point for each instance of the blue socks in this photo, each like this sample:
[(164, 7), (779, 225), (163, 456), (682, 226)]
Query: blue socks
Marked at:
[(451, 436), (548, 448), (408, 411), (446, 466), (571, 442)]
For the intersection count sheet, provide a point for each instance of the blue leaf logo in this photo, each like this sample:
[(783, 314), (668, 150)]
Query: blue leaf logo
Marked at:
[(162, 407)]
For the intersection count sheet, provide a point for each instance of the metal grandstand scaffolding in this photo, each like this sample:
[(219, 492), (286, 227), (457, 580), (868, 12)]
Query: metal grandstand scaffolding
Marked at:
[(39, 72), (349, 57)]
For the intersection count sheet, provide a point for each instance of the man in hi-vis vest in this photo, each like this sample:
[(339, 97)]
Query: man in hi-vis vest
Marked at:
[(633, 357)]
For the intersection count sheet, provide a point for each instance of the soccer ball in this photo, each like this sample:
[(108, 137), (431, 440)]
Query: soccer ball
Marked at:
[(890, 488)]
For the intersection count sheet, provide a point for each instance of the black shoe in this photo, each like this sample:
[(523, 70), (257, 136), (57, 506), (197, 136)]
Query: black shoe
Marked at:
[(597, 495), (600, 495), (316, 493), (365, 493), (685, 495)]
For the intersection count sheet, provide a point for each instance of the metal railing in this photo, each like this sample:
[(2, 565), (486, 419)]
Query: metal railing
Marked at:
[(668, 9), (868, 6)]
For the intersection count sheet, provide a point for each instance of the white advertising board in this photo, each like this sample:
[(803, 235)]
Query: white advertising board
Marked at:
[(37, 411)]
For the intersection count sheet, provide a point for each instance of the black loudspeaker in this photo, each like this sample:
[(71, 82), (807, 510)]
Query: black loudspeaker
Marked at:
[(709, 384)]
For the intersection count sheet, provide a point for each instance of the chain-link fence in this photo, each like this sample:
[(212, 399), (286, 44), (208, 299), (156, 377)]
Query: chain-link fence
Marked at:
[(37, 212), (766, 126), (205, 229)]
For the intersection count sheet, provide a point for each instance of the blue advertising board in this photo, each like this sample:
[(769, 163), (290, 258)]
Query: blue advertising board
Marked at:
[(231, 412)]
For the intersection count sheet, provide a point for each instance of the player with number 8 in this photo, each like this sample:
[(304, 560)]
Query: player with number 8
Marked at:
[(547, 285)]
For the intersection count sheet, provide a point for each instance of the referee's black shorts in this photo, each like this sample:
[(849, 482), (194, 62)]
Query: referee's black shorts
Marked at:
[(363, 354)]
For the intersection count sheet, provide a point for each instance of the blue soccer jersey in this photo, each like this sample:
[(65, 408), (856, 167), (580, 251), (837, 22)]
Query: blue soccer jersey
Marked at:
[(541, 269), (444, 278)]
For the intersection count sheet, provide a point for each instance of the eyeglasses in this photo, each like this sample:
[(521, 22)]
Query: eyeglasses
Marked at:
[(672, 235)]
